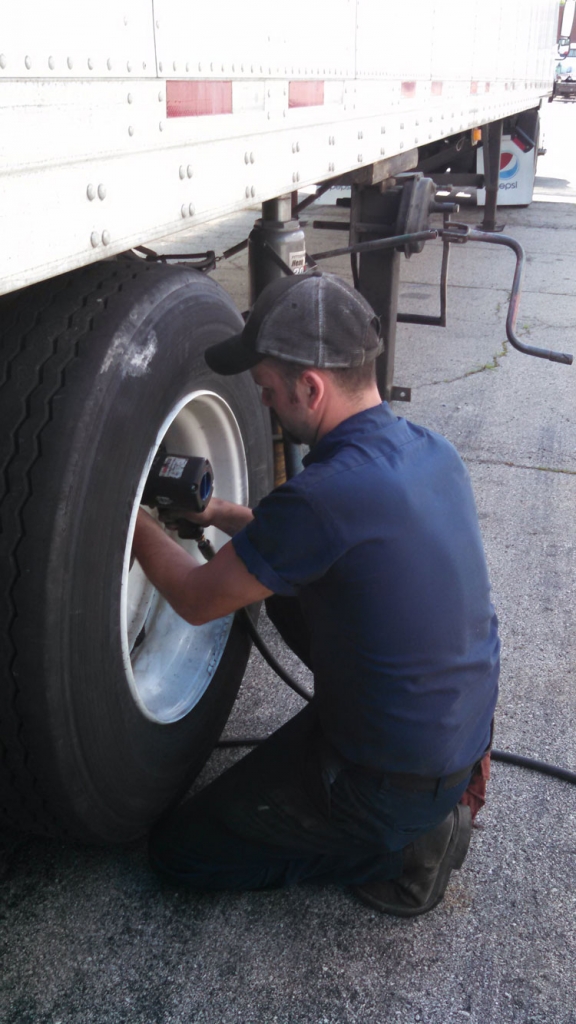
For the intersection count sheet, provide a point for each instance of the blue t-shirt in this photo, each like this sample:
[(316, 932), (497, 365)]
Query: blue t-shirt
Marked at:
[(379, 539)]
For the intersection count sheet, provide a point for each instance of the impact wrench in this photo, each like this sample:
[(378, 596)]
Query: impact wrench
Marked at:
[(186, 483)]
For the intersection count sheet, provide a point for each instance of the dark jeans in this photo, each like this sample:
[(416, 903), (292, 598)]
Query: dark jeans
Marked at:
[(294, 810)]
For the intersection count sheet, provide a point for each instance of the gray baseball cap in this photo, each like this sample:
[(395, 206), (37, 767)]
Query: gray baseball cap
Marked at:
[(315, 319)]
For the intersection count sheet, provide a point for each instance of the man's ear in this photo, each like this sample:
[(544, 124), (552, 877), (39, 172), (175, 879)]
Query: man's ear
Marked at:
[(313, 388)]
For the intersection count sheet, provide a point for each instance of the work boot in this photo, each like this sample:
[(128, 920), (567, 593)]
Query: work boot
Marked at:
[(426, 869)]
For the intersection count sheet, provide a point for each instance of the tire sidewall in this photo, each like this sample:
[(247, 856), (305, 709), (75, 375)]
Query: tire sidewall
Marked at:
[(141, 360)]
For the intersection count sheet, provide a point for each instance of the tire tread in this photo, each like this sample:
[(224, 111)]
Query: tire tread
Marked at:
[(40, 344)]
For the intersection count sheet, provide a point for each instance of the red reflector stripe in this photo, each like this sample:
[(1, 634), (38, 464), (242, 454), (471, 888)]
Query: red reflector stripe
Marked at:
[(437, 88), (408, 88), (473, 88), (193, 99), (305, 94)]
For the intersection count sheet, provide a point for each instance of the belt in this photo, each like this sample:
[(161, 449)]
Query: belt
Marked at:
[(420, 783), (423, 783)]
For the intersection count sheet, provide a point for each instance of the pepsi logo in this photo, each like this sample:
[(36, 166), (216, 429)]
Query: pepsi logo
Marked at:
[(508, 166)]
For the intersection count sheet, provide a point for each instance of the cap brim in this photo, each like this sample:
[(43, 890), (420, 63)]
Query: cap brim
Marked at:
[(231, 356)]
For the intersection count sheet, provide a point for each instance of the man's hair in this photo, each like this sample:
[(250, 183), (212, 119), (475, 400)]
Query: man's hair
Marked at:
[(352, 380)]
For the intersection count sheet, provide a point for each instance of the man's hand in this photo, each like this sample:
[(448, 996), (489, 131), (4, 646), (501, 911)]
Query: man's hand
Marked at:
[(198, 593), (224, 515)]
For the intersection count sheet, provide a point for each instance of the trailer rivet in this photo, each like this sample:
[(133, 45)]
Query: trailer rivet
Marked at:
[(3, 61), (160, 66), (247, 192), (28, 62), (131, 130), (130, 97), (269, 115), (297, 147), (359, 158), (252, 158), (160, 97), (293, 176), (95, 239), (252, 191), (91, 192), (416, 139), (109, 64), (382, 152), (401, 145), (184, 210), (70, 63), (430, 119), (246, 158), (189, 170), (157, 24), (182, 172), (383, 130), (360, 135), (106, 237), (417, 123), (161, 126), (102, 191), (401, 125), (51, 63), (174, 65), (191, 209), (128, 66), (125, 19), (90, 64), (144, 65)]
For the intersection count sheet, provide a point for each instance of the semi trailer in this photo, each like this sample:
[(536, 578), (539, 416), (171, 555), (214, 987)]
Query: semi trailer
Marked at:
[(122, 123)]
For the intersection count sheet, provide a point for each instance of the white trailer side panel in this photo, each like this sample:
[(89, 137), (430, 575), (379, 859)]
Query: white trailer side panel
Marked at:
[(120, 122)]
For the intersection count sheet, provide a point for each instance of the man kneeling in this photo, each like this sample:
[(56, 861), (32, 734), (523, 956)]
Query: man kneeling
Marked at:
[(372, 567)]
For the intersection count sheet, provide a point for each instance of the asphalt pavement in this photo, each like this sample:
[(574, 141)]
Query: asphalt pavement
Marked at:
[(90, 936)]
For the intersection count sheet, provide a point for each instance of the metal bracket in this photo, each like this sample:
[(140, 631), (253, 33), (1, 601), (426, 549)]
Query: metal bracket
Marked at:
[(204, 261), (398, 394)]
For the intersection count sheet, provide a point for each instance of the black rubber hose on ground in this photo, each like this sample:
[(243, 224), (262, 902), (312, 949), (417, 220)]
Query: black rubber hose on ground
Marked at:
[(269, 657), (536, 766)]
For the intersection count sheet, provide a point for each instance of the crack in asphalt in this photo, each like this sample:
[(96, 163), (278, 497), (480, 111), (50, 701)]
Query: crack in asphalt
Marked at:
[(518, 465), (493, 365)]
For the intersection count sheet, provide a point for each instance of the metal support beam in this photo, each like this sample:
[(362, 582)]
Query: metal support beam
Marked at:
[(491, 144), (378, 273)]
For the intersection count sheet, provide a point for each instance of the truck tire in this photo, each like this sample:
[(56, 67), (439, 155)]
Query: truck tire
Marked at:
[(109, 703)]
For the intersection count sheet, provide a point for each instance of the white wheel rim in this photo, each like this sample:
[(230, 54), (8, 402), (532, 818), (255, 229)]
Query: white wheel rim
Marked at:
[(170, 664)]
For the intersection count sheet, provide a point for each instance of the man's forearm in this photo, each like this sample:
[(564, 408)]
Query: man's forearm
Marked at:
[(228, 517), (198, 593), (167, 565)]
